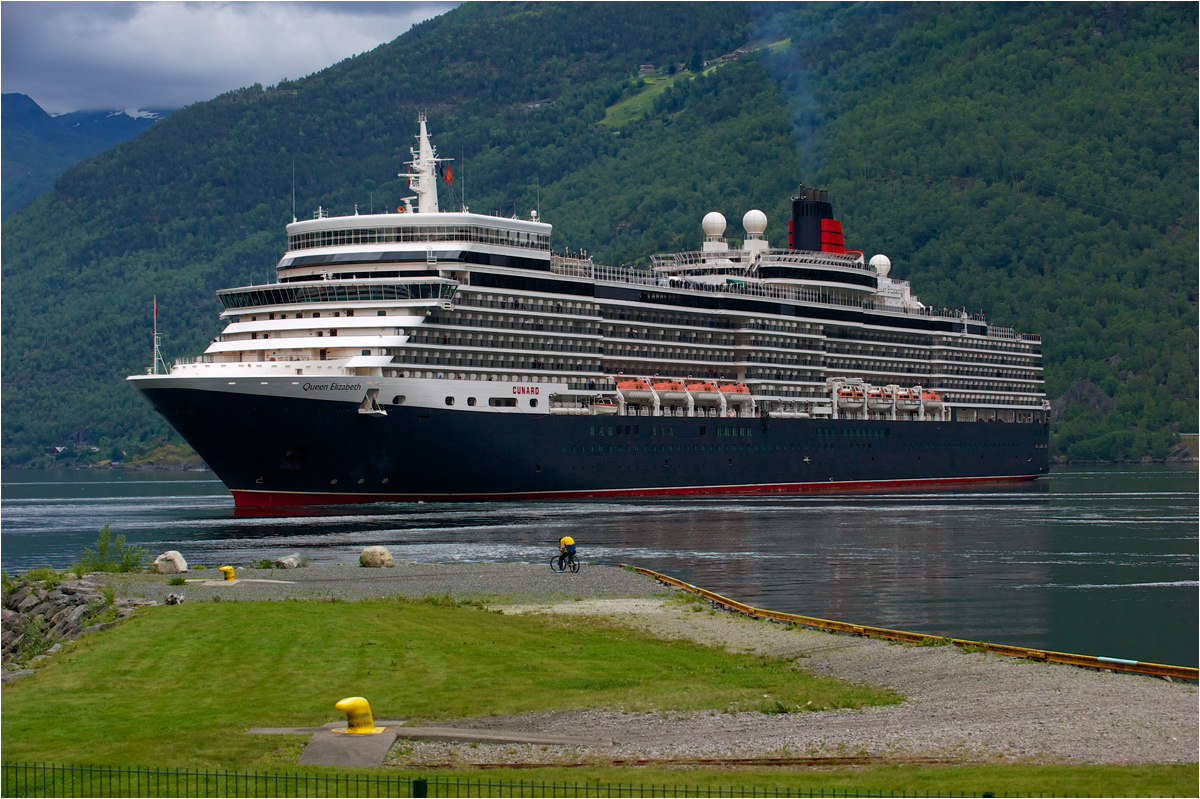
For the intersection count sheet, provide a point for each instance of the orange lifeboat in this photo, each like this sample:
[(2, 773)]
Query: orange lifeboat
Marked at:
[(879, 399), (737, 392), (931, 400), (703, 388), (851, 398), (670, 390), (634, 389), (907, 400)]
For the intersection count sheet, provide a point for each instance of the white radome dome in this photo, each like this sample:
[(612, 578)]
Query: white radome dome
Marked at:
[(755, 222), (881, 264), (714, 224)]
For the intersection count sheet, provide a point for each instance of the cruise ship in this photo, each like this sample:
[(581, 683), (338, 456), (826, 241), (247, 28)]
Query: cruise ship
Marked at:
[(422, 354)]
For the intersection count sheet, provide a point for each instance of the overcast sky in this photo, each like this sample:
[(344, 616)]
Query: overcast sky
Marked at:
[(72, 56)]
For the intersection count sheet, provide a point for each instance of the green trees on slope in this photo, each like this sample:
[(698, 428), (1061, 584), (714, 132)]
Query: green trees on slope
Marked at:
[(1037, 162)]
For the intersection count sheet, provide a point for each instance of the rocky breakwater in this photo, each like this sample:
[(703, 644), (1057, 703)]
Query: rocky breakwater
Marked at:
[(40, 614)]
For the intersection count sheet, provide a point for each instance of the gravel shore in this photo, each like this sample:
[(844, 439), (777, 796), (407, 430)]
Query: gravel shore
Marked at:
[(959, 706), (499, 582)]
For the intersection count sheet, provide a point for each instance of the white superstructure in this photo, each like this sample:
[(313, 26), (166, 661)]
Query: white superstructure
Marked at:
[(480, 306)]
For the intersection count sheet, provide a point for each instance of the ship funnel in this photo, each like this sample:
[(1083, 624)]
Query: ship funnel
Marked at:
[(812, 226)]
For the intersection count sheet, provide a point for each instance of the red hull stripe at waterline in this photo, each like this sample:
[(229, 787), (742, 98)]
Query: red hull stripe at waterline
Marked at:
[(243, 498)]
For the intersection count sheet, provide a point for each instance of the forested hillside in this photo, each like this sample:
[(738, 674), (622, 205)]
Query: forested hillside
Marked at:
[(38, 147), (1038, 162)]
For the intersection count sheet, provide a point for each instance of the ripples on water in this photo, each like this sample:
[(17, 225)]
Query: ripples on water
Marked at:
[(1097, 561)]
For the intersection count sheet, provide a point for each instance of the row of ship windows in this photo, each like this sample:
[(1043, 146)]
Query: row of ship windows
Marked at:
[(510, 343), (692, 447), (721, 431), (511, 323), (541, 344), (796, 447), (851, 365), (996, 346), (280, 294), (726, 431), (426, 233), (890, 337), (489, 360), (533, 304), (686, 337), (271, 296)]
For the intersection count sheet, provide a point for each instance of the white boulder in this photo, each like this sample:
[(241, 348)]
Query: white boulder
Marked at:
[(170, 563), (376, 557)]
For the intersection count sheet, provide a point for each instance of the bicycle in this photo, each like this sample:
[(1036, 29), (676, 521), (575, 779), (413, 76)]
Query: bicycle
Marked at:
[(563, 562)]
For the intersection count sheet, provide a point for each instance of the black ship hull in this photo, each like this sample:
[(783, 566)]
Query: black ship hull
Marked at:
[(284, 451)]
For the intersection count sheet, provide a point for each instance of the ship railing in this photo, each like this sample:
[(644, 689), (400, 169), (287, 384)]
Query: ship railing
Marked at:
[(640, 277), (995, 331), (742, 259)]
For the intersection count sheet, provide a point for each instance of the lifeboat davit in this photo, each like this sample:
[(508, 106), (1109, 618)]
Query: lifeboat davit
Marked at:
[(737, 392), (634, 389), (931, 400), (879, 399), (850, 398), (907, 400)]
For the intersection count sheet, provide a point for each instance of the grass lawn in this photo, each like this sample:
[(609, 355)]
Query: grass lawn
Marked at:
[(179, 685), (176, 687)]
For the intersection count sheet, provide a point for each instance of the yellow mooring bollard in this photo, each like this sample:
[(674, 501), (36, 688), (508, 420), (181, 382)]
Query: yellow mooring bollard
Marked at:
[(358, 716), (228, 572)]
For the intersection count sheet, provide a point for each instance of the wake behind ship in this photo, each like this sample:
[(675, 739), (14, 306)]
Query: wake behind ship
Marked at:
[(431, 355)]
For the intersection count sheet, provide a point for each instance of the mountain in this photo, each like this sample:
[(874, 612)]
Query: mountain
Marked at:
[(38, 147), (1035, 161)]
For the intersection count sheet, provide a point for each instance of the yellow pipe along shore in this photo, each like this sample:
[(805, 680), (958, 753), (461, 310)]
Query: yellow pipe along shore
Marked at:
[(1089, 661)]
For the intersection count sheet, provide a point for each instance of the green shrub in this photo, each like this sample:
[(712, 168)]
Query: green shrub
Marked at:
[(112, 556), (49, 577)]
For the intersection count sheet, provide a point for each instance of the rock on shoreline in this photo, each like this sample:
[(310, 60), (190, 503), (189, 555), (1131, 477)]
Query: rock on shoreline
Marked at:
[(38, 618)]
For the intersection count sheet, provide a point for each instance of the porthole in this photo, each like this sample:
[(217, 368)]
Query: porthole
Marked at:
[(449, 400), (384, 480), (533, 403), (471, 401), (398, 399), (361, 480), (333, 482)]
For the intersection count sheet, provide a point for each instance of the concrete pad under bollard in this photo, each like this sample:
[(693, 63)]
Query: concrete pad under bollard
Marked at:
[(329, 747)]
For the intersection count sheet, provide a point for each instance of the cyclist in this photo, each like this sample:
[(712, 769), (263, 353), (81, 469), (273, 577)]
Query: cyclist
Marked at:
[(566, 545)]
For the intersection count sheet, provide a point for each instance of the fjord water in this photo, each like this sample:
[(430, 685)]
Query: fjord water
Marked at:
[(1090, 560)]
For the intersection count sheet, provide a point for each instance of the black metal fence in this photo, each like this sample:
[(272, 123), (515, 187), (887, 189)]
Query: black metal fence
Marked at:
[(38, 779)]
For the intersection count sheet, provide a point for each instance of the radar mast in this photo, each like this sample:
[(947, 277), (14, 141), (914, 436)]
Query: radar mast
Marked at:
[(422, 177)]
